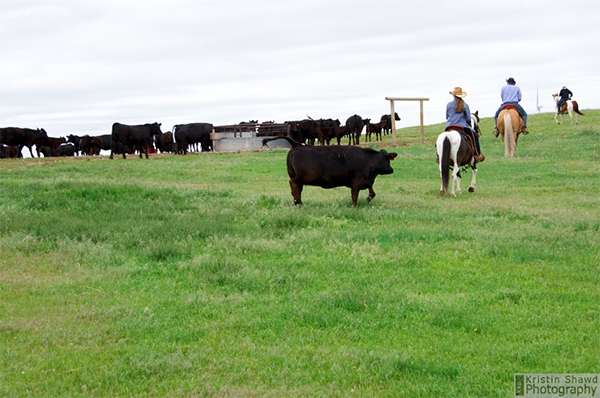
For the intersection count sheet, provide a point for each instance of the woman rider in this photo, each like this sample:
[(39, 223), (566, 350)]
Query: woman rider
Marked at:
[(459, 114)]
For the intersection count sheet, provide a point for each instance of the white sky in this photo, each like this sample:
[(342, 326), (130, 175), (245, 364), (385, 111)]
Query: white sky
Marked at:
[(76, 67)]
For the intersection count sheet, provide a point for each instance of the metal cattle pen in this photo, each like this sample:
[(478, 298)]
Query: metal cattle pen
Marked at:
[(248, 136)]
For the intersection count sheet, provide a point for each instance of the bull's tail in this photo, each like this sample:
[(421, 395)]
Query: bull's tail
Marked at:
[(445, 164), (576, 108), (293, 143)]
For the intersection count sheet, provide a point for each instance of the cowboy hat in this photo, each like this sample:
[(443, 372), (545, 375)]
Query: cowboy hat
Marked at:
[(510, 80), (458, 92)]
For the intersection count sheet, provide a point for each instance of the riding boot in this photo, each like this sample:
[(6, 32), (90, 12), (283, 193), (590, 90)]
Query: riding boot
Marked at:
[(496, 132)]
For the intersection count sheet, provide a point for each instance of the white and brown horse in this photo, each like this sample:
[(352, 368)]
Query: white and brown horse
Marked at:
[(510, 125), (566, 107), (453, 151)]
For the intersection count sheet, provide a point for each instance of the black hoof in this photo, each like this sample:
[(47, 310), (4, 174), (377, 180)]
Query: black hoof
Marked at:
[(471, 189)]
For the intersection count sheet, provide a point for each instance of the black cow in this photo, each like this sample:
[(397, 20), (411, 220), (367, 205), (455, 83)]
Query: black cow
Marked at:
[(50, 142), (10, 152), (192, 133), (47, 152), (334, 166), (66, 150), (387, 128), (142, 136), (90, 146), (374, 128), (106, 142), (355, 125), (21, 137), (164, 142), (76, 140)]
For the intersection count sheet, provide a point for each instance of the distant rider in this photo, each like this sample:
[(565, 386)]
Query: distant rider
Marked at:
[(565, 95), (459, 114), (511, 95)]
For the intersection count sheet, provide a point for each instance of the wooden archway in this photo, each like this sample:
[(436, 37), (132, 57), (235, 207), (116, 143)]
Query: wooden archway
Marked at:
[(392, 99)]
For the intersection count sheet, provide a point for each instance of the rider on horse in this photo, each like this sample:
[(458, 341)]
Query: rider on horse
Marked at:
[(511, 95), (565, 95), (459, 114)]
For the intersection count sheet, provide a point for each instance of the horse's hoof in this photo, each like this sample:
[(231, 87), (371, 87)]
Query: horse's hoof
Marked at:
[(442, 194), (369, 198), (471, 189), (453, 195)]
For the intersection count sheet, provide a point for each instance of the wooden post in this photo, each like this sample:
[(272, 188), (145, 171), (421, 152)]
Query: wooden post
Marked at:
[(392, 99), (422, 133), (393, 122)]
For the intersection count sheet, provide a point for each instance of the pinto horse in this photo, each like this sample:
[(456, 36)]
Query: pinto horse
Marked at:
[(452, 147), (567, 106), (510, 124)]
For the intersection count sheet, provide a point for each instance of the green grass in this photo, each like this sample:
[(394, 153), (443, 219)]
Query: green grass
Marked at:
[(195, 276)]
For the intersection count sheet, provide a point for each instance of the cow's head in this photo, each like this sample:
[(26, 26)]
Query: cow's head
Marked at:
[(382, 164), (155, 129), (43, 133)]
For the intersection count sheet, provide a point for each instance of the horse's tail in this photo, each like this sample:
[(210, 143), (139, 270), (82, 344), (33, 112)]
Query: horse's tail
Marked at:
[(576, 108), (445, 163), (509, 136)]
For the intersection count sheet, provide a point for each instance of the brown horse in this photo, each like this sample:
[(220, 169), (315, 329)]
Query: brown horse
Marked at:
[(510, 124)]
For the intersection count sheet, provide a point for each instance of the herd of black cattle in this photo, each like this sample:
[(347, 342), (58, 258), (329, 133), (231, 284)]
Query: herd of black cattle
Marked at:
[(143, 139)]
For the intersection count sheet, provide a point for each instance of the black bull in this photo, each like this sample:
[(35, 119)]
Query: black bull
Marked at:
[(125, 136), (335, 166)]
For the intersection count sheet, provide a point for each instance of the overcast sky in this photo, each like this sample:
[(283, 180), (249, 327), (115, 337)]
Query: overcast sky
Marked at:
[(76, 67)]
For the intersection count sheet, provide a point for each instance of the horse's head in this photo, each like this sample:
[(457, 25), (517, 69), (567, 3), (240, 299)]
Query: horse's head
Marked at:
[(475, 122)]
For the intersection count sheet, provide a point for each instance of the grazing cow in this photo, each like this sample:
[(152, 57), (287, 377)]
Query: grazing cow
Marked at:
[(192, 133), (21, 137), (124, 136), (375, 128), (388, 122), (164, 142), (50, 142), (355, 125), (66, 150), (10, 152), (334, 166)]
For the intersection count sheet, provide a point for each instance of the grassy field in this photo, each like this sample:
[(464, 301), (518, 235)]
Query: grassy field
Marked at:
[(195, 276)]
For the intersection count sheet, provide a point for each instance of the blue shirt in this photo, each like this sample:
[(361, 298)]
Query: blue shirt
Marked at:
[(510, 93), (459, 119)]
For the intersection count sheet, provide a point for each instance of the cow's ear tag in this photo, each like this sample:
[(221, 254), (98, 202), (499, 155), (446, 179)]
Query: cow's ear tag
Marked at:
[(393, 156)]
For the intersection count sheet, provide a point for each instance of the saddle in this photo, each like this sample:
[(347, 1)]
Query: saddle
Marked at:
[(468, 137), (513, 107)]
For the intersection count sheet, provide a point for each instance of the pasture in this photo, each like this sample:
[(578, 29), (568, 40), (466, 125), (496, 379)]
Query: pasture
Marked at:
[(195, 276)]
